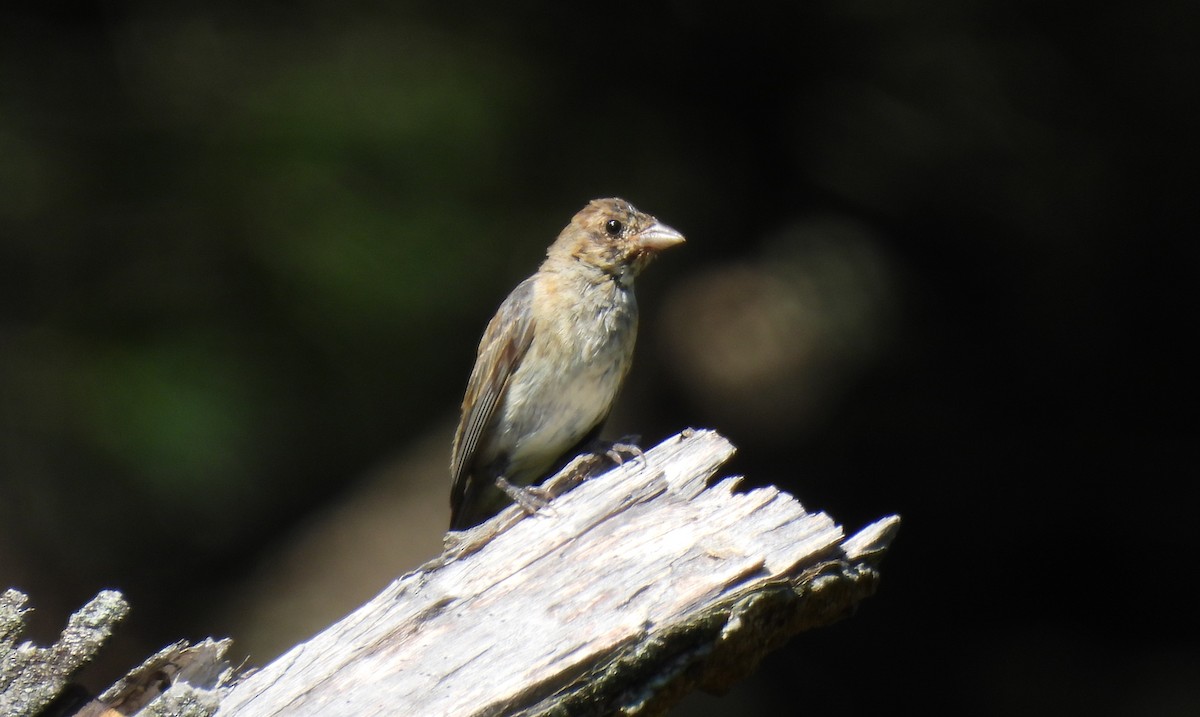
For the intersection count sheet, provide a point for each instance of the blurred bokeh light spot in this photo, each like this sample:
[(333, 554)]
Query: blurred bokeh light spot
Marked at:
[(766, 345)]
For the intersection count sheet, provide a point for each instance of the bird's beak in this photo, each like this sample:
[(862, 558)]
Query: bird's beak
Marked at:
[(658, 236)]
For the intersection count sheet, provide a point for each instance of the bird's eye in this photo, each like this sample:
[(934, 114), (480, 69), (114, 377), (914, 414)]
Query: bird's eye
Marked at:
[(613, 227)]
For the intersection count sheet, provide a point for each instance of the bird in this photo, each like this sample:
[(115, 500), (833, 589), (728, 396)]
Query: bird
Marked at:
[(552, 360)]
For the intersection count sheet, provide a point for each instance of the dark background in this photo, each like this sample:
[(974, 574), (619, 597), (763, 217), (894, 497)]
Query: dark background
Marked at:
[(940, 263)]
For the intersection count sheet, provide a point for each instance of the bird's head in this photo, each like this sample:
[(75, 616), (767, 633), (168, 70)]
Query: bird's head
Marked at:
[(613, 236)]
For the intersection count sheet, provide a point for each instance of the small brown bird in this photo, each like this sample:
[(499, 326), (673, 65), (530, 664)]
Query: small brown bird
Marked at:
[(553, 358)]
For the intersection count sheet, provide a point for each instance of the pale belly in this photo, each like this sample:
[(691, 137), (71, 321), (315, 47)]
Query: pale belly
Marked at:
[(553, 411)]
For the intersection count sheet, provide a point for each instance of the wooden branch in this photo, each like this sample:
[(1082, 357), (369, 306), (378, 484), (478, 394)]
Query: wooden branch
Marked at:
[(619, 597)]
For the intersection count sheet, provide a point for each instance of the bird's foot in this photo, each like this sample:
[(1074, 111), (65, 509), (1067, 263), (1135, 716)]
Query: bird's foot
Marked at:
[(591, 461), (620, 450), (530, 498)]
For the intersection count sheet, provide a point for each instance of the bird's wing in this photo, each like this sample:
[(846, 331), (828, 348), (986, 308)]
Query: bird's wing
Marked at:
[(504, 344)]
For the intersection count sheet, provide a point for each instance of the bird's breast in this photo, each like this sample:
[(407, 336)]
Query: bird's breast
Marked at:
[(569, 379)]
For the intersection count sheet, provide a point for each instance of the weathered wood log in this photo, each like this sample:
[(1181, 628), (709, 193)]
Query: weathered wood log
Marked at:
[(618, 597)]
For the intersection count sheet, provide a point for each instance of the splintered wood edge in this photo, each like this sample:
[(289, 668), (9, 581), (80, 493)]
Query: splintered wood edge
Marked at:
[(725, 642), (181, 680)]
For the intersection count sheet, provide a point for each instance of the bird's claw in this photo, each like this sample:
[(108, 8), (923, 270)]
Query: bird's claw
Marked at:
[(530, 498), (628, 446), (621, 449)]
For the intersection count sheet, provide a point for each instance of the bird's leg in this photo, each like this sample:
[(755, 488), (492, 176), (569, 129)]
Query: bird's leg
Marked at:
[(531, 499)]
